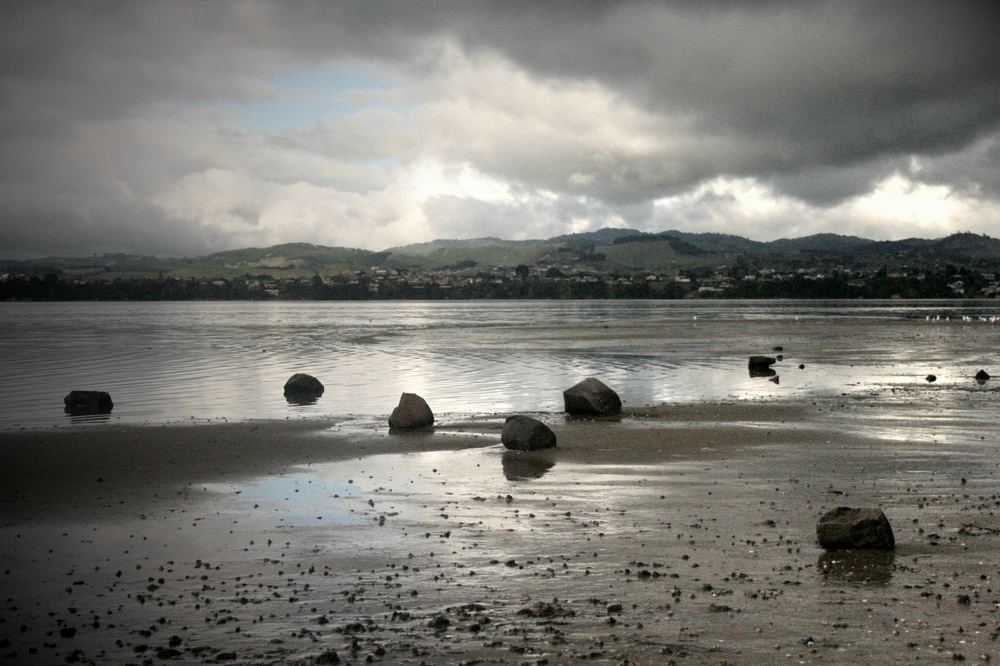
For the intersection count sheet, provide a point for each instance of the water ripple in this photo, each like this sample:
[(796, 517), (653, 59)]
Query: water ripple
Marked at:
[(167, 361)]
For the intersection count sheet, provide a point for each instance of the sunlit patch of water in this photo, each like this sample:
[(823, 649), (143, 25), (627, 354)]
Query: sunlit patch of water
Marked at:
[(168, 362)]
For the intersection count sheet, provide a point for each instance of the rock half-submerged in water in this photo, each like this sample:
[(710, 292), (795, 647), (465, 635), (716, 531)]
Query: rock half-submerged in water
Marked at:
[(301, 384), (524, 433), (411, 413), (846, 527), (592, 398), (982, 376), (88, 402)]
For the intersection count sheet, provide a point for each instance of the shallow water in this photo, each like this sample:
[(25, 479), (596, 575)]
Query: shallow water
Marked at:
[(166, 362)]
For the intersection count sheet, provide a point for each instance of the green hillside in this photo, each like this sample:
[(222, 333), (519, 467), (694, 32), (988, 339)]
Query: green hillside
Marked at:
[(605, 250), (295, 256), (488, 255)]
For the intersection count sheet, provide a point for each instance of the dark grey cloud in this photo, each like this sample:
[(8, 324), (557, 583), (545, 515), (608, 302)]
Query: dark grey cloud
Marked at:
[(832, 82), (820, 100), (973, 169), (788, 85), (73, 227)]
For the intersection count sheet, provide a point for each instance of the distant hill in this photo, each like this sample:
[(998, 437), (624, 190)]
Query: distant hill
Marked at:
[(294, 255), (961, 248), (93, 261), (821, 243), (500, 254), (725, 243), (605, 250), (601, 236), (606, 235), (425, 249)]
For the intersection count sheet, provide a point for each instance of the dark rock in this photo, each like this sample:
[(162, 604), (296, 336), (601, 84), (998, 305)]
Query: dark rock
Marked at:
[(761, 362), (88, 402), (545, 609), (592, 397), (526, 434), (777, 348), (439, 623), (776, 379), (328, 657), (982, 376), (411, 413), (303, 384), (802, 366), (932, 378), (165, 653), (762, 371), (846, 527)]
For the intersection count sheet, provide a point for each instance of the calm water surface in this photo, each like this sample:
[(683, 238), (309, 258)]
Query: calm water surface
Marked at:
[(168, 362)]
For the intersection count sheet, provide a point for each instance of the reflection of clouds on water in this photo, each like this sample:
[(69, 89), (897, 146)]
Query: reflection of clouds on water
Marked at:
[(298, 498), (929, 414), (170, 361)]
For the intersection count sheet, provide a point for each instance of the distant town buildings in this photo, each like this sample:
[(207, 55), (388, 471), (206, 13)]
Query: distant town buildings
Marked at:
[(548, 281)]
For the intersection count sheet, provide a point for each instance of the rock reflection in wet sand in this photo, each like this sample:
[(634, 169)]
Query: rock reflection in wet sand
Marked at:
[(863, 567), (518, 466), (301, 399)]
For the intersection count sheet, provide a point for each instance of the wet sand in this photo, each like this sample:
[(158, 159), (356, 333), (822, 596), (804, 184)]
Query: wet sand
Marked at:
[(680, 534)]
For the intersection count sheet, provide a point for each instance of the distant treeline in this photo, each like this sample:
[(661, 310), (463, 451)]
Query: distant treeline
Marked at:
[(50, 288), (879, 285)]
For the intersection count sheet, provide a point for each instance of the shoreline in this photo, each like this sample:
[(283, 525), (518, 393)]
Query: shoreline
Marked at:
[(60, 468), (677, 534)]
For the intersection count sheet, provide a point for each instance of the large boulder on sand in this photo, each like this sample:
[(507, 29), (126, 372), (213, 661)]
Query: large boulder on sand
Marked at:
[(845, 527), (524, 433), (302, 384), (88, 402), (411, 413), (592, 397)]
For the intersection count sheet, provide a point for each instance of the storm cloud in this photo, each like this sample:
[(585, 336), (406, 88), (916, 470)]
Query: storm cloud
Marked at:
[(184, 128)]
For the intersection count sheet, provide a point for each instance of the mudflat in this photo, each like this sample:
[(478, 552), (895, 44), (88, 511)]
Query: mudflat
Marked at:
[(678, 534)]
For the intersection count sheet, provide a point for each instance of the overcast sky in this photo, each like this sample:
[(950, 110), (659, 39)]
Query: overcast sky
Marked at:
[(182, 128)]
